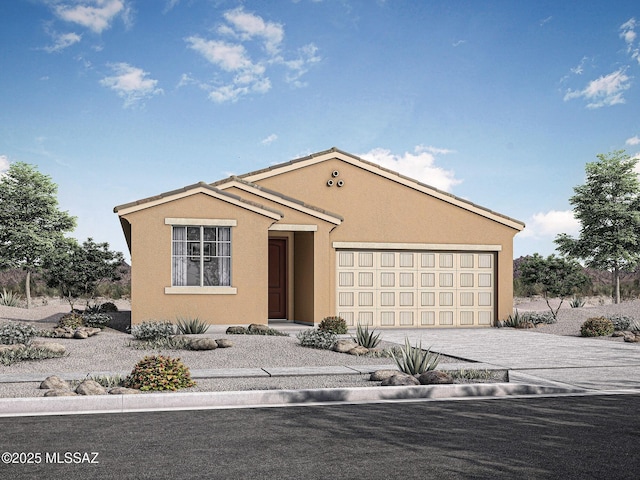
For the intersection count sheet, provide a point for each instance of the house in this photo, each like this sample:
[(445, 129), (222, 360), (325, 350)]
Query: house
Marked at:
[(327, 234)]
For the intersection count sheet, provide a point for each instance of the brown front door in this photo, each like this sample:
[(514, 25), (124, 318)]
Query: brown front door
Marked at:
[(277, 278)]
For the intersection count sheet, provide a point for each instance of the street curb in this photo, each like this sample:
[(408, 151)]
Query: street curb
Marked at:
[(38, 406)]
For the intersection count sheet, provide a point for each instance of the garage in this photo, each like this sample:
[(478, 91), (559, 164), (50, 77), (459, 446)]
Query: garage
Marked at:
[(421, 288)]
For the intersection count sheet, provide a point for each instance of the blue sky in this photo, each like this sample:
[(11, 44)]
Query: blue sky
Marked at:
[(498, 102)]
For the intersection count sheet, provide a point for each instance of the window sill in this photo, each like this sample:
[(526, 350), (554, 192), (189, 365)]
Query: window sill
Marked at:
[(200, 290)]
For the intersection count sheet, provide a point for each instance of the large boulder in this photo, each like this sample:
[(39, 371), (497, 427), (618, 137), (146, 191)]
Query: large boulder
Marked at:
[(358, 350), (90, 387), (55, 383), (380, 375), (344, 345), (123, 391), (258, 327), (224, 343), (80, 334), (236, 330), (400, 379), (203, 344), (632, 338), (435, 377), (60, 393)]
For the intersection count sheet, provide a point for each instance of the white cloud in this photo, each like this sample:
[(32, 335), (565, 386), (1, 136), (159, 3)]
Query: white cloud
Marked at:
[(4, 164), (248, 74), (248, 26), (95, 15), (131, 83), (270, 139), (544, 21), (633, 140), (629, 35), (550, 224), (457, 43), (62, 41), (604, 91), (419, 165)]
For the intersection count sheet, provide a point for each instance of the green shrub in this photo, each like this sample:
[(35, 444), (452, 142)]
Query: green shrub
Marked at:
[(108, 307), (153, 330), (9, 299), (526, 319), (317, 339), (108, 381), (12, 333), (191, 326), (96, 320), (336, 325), (538, 318), (415, 360), (514, 320), (596, 327), (366, 338), (157, 373), (71, 320), (28, 353), (620, 322)]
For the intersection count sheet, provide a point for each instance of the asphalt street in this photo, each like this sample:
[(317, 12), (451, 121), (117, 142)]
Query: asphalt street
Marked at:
[(557, 437)]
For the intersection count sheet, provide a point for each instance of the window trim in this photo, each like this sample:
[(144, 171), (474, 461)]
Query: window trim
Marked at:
[(201, 289)]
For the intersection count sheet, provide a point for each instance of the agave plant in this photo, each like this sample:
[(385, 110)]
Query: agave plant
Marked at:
[(366, 338), (415, 360), (9, 299), (192, 326)]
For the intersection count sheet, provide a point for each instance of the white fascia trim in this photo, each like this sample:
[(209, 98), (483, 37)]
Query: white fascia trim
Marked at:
[(200, 290), (416, 246), (391, 176), (281, 201), (207, 222), (206, 191), (284, 227)]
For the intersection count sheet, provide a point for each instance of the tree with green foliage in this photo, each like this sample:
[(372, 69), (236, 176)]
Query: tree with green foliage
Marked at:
[(30, 221), (77, 270), (552, 277), (608, 207)]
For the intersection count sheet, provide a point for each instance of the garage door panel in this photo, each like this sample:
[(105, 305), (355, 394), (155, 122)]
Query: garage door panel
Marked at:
[(415, 289)]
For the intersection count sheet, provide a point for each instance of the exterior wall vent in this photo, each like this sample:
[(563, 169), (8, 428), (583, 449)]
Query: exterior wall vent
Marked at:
[(340, 183), (335, 173), (329, 183)]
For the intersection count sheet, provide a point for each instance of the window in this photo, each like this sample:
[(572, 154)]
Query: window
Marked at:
[(201, 256)]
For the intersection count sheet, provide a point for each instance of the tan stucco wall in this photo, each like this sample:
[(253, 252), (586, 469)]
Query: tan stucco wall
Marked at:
[(151, 262), (376, 209)]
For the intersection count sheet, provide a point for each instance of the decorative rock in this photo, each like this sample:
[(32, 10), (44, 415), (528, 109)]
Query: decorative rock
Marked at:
[(123, 391), (380, 375), (55, 383), (203, 344), (80, 334), (236, 330), (435, 377), (632, 338), (91, 331), (359, 350), (400, 379), (60, 393), (90, 387), (619, 333), (50, 346), (224, 343), (257, 327), (343, 346), (11, 348)]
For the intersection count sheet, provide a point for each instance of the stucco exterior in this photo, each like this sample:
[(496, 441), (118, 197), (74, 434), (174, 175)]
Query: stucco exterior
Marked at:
[(321, 205)]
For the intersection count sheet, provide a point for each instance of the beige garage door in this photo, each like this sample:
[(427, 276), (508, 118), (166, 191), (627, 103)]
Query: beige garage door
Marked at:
[(415, 289)]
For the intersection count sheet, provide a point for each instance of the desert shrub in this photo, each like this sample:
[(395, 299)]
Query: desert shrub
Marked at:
[(108, 381), (336, 325), (317, 339), (415, 360), (28, 353), (71, 320), (157, 372), (96, 320), (152, 330), (108, 307), (514, 320), (9, 299), (577, 302), (620, 322), (13, 333), (596, 327), (366, 338), (538, 318), (191, 326)]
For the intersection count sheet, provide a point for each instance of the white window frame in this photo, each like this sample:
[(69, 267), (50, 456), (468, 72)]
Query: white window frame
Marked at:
[(202, 290)]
